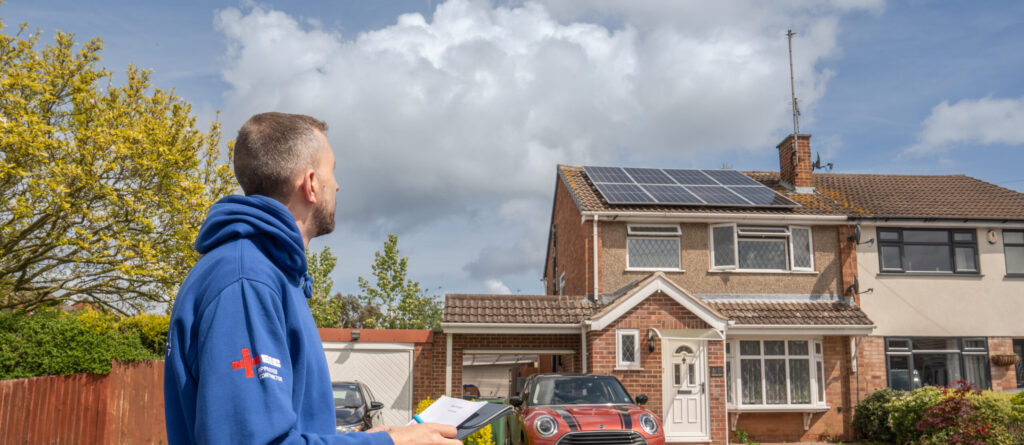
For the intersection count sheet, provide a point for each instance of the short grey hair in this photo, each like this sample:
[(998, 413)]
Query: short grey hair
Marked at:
[(272, 148)]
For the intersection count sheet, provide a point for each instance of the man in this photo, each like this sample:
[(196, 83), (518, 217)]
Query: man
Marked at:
[(244, 361)]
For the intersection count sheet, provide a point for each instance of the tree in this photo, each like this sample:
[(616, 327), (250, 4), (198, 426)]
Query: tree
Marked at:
[(102, 187), (337, 311), (401, 302)]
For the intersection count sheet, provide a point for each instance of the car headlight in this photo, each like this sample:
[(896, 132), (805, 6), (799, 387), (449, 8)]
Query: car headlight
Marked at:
[(648, 423), (350, 428), (545, 426)]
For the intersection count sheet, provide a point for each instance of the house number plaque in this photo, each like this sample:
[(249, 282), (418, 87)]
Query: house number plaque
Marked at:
[(717, 371)]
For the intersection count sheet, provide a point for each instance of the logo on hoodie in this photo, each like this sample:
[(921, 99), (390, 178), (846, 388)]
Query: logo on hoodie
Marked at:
[(247, 363)]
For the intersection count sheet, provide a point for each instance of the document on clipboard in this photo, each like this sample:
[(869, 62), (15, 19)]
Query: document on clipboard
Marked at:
[(467, 416)]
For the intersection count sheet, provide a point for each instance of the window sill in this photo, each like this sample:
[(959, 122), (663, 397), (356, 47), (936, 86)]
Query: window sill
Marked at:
[(1014, 275), (778, 409), (628, 368), (774, 272), (931, 274), (654, 269)]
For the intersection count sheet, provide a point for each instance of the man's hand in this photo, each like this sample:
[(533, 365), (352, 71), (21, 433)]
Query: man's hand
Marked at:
[(424, 434)]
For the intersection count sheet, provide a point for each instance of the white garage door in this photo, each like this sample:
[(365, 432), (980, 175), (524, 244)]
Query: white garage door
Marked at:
[(385, 367)]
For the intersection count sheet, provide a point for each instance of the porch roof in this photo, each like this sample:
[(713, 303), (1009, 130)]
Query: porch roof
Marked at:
[(517, 309), (792, 313)]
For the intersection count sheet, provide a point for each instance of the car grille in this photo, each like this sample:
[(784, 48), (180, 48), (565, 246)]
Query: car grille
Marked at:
[(603, 438)]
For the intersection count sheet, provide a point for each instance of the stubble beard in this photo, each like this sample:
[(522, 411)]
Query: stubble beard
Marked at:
[(323, 219)]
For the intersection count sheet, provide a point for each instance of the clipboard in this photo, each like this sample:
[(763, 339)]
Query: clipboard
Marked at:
[(481, 418)]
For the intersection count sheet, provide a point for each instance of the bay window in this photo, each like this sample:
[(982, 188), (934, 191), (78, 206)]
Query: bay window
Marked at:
[(761, 248), (775, 372), (927, 250)]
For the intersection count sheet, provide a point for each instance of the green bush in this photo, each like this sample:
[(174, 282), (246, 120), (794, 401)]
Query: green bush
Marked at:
[(871, 416), (49, 342), (995, 410), (908, 409)]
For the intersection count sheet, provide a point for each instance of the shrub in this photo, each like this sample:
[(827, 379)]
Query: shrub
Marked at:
[(481, 437), (152, 330), (956, 419), (871, 416), (49, 342), (908, 409)]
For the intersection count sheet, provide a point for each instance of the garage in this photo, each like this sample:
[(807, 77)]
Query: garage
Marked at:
[(384, 367)]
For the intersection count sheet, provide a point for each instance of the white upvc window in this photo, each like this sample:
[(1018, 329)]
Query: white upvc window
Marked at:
[(627, 348), (653, 247), (775, 373), (561, 283), (761, 248)]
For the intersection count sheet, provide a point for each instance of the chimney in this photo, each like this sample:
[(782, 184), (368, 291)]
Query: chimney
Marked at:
[(795, 165)]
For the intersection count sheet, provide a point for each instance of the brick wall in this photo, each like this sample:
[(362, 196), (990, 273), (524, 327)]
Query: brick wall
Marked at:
[(1003, 377), (571, 247), (798, 174), (662, 312)]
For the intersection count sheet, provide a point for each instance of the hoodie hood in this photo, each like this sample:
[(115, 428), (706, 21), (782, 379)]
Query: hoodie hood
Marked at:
[(264, 221)]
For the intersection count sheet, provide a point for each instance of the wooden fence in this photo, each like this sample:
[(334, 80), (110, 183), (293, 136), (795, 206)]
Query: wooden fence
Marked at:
[(123, 407)]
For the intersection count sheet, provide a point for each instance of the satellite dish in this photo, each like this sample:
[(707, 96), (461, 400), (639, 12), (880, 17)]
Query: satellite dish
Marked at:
[(855, 237)]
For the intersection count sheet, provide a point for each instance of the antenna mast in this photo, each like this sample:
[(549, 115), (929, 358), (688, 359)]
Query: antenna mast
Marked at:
[(792, 85)]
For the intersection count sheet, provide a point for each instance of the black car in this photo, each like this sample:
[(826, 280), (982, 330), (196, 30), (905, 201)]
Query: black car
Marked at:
[(354, 407)]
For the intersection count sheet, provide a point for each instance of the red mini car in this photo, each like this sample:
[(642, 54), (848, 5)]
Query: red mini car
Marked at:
[(561, 409)]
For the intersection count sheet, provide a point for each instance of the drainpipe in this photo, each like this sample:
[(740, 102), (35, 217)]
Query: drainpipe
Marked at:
[(595, 258), (448, 367), (583, 345)]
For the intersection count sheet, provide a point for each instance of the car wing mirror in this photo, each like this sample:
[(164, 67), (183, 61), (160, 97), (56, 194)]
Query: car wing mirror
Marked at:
[(641, 399), (375, 406), (515, 401)]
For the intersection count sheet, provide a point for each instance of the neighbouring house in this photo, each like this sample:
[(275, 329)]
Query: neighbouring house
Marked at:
[(757, 301)]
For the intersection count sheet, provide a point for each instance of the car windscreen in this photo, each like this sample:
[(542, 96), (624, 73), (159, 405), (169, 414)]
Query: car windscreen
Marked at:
[(347, 396), (578, 390)]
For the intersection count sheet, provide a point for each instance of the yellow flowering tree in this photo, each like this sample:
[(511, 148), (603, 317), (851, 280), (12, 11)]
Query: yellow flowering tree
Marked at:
[(102, 187)]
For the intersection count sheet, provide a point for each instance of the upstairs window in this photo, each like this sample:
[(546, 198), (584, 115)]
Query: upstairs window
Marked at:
[(653, 247), (928, 250), (1013, 248), (767, 248)]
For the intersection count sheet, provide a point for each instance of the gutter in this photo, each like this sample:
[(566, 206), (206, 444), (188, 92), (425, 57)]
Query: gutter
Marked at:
[(717, 217)]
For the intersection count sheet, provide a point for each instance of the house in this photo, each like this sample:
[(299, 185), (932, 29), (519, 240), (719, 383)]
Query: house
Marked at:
[(767, 302)]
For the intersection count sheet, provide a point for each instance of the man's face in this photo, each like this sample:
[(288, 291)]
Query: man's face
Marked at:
[(323, 210)]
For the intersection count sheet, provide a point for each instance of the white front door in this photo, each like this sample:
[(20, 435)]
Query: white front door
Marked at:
[(686, 392)]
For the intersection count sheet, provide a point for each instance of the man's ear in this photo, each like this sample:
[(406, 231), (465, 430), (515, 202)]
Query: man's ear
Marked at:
[(309, 191)]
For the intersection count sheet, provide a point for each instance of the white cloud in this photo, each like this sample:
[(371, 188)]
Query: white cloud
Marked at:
[(465, 116), (496, 287), (984, 121)]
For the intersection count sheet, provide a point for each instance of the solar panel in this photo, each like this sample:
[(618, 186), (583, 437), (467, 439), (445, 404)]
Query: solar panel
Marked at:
[(759, 195), (649, 176), (613, 175), (676, 194), (690, 177), (731, 177), (693, 187), (623, 193), (717, 194)]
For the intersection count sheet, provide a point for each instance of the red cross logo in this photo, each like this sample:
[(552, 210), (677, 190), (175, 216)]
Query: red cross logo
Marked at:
[(247, 363)]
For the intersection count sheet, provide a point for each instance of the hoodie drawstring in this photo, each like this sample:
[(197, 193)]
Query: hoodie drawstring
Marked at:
[(307, 285)]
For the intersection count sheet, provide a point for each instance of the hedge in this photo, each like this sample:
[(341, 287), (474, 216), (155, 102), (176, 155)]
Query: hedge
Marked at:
[(932, 415), (51, 342)]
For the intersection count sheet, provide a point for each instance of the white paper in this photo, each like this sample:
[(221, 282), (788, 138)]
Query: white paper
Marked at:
[(449, 411)]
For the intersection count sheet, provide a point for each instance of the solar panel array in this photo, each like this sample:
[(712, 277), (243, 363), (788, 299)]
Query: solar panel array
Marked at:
[(728, 188)]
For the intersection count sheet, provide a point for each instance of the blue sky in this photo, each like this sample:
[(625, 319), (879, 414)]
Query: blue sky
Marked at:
[(448, 118)]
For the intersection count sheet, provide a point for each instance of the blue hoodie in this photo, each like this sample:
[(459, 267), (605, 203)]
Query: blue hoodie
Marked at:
[(244, 359)]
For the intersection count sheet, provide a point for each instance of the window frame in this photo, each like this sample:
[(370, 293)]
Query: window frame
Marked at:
[(634, 232), (815, 358), (1006, 264), (619, 364), (909, 351), (951, 243), (752, 234)]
